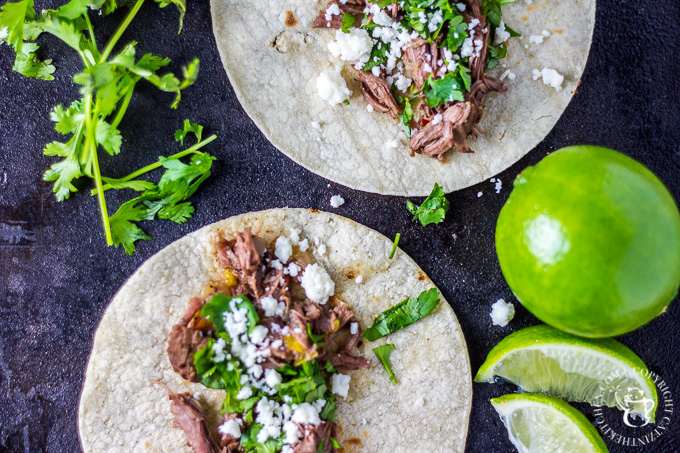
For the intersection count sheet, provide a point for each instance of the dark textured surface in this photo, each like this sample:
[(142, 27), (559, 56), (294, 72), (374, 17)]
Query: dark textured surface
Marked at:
[(56, 283)]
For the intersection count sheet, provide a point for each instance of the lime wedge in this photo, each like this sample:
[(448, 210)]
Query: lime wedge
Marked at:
[(543, 424), (602, 372)]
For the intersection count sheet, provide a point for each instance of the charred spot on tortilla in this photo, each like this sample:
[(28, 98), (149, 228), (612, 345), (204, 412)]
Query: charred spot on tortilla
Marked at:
[(291, 20)]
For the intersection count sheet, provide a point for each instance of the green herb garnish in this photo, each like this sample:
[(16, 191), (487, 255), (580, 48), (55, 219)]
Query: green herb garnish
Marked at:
[(383, 352), (316, 339), (403, 314), (107, 84), (394, 245), (347, 22), (406, 116), (447, 89), (433, 209), (189, 127)]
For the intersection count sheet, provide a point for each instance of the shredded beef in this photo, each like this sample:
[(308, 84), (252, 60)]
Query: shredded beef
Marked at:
[(190, 416), (314, 435), (377, 93), (186, 338)]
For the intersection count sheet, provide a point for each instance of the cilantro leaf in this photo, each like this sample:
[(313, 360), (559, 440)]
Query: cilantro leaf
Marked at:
[(378, 56), (67, 121), (383, 352), (196, 129), (12, 19), (28, 64), (124, 230), (164, 201), (108, 137), (220, 304), (64, 172), (181, 7), (403, 314), (433, 209), (406, 116), (447, 89), (315, 338), (347, 22), (136, 184)]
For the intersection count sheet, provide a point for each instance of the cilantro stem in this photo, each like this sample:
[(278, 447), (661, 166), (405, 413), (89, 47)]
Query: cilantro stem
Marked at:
[(91, 146), (121, 29), (123, 107), (194, 149), (90, 29)]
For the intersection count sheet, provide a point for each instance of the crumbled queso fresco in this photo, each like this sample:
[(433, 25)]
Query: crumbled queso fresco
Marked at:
[(332, 87), (337, 201), (502, 313), (317, 284), (550, 77)]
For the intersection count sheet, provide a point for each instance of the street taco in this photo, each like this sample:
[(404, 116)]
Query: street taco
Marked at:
[(437, 88), (206, 310)]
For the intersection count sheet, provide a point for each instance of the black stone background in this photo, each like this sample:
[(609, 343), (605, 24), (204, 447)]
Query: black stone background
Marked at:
[(56, 284)]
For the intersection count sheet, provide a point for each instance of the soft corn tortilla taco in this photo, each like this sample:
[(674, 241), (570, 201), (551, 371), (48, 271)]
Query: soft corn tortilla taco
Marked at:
[(273, 58), (122, 408)]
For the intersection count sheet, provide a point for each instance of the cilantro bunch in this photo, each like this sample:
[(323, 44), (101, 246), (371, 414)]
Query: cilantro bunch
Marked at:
[(91, 124)]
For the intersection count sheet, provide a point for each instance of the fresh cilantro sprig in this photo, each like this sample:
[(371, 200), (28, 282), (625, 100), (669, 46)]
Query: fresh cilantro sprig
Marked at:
[(107, 84), (383, 352), (347, 22), (433, 209), (403, 314)]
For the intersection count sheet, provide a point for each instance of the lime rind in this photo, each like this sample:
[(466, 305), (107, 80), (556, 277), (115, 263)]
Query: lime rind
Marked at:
[(602, 372), (540, 423)]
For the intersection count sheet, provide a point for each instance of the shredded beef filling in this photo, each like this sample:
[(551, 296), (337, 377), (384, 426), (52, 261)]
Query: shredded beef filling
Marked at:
[(188, 337)]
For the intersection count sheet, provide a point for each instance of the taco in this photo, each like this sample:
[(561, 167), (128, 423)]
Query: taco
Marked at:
[(257, 334), (420, 78)]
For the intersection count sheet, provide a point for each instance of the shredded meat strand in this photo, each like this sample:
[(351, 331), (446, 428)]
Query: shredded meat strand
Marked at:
[(186, 338), (377, 93), (191, 418)]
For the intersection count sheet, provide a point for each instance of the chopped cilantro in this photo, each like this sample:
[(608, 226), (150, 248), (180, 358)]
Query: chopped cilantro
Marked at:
[(447, 89), (378, 56), (394, 245), (433, 209), (407, 116), (196, 129), (345, 102), (347, 22), (316, 339), (383, 352), (403, 314)]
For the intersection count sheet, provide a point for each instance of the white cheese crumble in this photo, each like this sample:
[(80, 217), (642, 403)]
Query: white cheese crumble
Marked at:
[(293, 434), (509, 74), (284, 249), (502, 34), (304, 245), (545, 33), (498, 184), (502, 313), (550, 77), (218, 350), (332, 87), (359, 279), (231, 428), (245, 393), (369, 107), (293, 270), (317, 284), (272, 378), (333, 10), (437, 118), (306, 414), (420, 402), (354, 328), (479, 194), (460, 6), (258, 334), (341, 384), (536, 39), (337, 201), (316, 125), (354, 46), (272, 307)]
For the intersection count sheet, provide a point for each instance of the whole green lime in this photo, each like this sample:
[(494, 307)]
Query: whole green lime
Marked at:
[(589, 242)]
